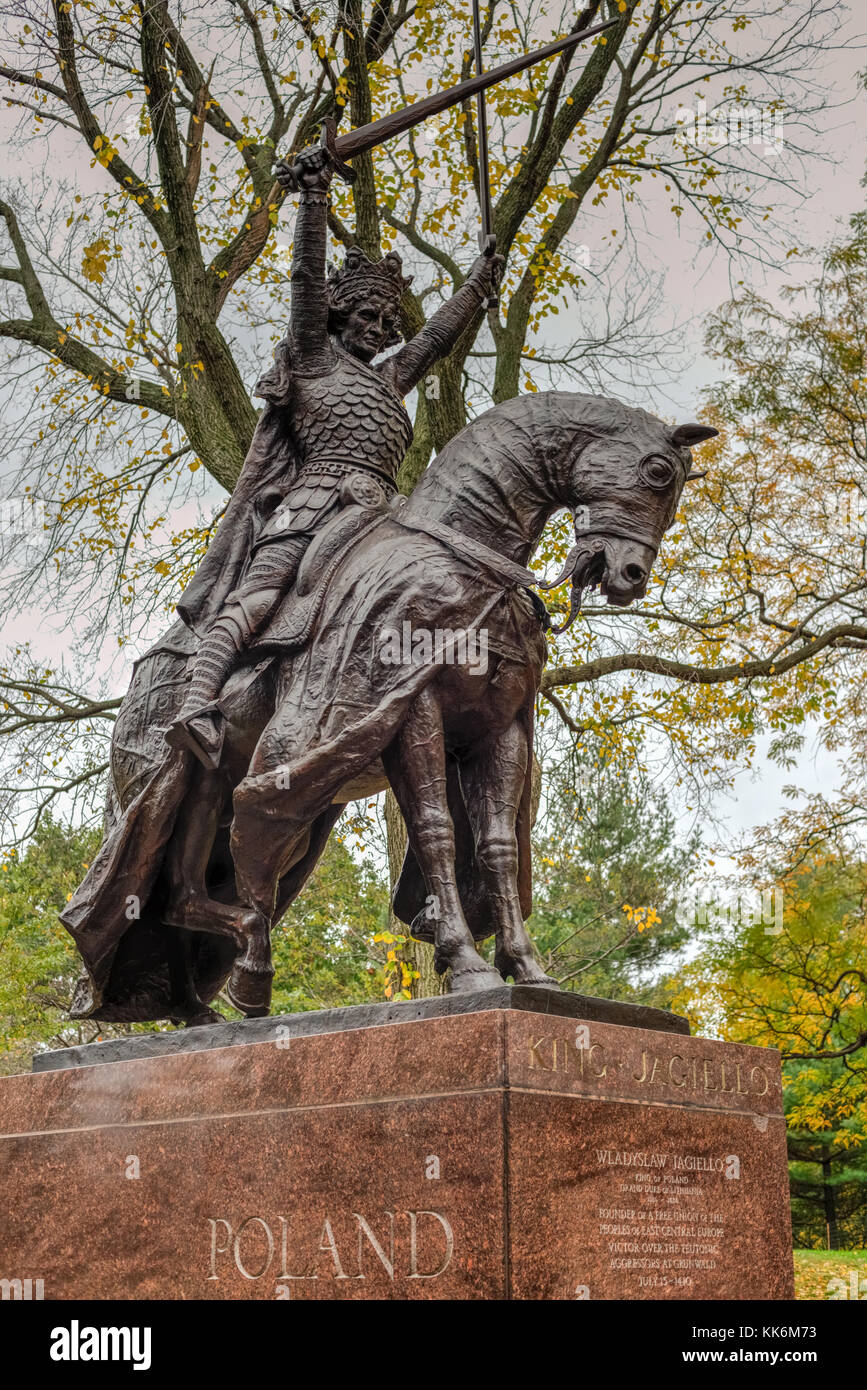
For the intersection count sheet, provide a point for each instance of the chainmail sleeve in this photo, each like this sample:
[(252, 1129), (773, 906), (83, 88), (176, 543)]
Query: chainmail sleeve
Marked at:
[(436, 339), (308, 317)]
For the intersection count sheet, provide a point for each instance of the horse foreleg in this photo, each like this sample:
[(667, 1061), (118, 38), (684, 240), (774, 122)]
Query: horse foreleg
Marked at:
[(415, 763), (492, 781)]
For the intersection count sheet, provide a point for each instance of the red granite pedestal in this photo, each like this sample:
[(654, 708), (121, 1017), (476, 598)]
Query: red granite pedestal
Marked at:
[(499, 1154)]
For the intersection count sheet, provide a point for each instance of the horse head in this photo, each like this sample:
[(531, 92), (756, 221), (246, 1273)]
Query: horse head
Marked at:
[(619, 471), (622, 485)]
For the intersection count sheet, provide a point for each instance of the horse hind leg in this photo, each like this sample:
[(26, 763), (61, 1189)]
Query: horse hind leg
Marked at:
[(190, 907), (416, 766), (492, 781), (186, 1007)]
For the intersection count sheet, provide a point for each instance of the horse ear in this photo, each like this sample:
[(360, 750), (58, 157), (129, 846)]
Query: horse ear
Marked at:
[(685, 436)]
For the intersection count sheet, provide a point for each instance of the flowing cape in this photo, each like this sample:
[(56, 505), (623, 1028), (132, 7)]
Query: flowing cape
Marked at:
[(112, 915)]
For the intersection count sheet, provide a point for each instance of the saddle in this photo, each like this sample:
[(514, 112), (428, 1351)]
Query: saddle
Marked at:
[(294, 622)]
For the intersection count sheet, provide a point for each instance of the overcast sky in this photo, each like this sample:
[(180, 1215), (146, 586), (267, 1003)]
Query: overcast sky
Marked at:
[(835, 177)]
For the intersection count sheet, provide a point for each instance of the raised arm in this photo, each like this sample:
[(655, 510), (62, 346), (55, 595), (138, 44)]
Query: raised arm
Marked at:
[(309, 176), (444, 328)]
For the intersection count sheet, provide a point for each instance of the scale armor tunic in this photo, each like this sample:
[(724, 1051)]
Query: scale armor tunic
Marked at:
[(346, 420)]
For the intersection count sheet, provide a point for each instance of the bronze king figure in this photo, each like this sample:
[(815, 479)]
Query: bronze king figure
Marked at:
[(346, 419)]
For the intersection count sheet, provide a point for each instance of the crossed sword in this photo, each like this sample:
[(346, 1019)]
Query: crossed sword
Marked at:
[(355, 142)]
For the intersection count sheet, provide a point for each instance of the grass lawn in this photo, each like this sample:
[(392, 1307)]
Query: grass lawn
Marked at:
[(814, 1269)]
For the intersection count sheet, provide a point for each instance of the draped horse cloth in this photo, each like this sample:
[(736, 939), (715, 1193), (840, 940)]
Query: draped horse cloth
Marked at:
[(344, 696), (340, 703)]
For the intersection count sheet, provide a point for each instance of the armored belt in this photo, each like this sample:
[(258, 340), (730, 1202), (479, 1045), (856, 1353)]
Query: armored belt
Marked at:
[(339, 464)]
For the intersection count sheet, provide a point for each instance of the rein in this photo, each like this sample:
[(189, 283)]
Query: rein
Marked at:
[(514, 575), (470, 549)]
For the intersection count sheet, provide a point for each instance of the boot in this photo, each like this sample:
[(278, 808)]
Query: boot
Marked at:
[(201, 724), (202, 731)]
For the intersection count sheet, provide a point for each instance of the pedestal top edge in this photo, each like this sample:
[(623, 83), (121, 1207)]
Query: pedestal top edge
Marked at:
[(526, 998)]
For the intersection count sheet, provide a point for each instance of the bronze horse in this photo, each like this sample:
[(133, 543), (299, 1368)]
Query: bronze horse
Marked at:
[(209, 861)]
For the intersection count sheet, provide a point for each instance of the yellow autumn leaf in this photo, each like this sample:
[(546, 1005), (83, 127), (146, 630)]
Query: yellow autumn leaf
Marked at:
[(95, 260)]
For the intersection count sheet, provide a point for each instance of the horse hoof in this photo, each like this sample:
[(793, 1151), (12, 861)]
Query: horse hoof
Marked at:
[(250, 990), (524, 973), (472, 980), (206, 1016)]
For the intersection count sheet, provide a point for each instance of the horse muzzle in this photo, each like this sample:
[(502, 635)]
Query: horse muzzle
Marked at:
[(626, 570), (618, 565)]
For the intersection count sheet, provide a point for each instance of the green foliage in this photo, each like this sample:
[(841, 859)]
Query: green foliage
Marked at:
[(607, 872), (38, 960), (324, 952), (798, 989), (822, 1275), (801, 990), (827, 1166)]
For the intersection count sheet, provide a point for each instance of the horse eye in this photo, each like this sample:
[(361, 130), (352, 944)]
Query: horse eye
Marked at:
[(656, 471)]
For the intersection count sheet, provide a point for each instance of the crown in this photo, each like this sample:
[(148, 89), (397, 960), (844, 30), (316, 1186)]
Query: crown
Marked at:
[(359, 279)]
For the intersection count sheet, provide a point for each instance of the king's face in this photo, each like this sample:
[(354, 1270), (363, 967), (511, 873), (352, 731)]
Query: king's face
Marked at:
[(366, 331)]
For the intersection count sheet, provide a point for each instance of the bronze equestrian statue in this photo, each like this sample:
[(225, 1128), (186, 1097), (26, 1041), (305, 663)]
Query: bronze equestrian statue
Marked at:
[(272, 700), (198, 865)]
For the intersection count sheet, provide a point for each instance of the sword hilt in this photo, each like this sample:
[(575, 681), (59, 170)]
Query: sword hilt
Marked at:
[(488, 246), (328, 141)]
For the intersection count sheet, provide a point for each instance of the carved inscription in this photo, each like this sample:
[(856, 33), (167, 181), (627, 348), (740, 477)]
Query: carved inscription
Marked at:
[(664, 1228), (404, 1245), (691, 1076)]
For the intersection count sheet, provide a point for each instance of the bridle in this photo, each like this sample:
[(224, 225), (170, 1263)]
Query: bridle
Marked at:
[(587, 549), (470, 548)]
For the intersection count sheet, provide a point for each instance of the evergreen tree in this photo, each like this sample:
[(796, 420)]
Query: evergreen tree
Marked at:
[(608, 872)]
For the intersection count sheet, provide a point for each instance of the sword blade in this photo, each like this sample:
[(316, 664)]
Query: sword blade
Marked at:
[(482, 134), (367, 137)]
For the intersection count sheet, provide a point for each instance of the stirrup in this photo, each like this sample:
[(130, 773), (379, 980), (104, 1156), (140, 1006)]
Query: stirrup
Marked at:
[(202, 732)]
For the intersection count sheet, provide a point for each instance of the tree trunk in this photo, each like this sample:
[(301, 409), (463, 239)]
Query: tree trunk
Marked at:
[(830, 1205)]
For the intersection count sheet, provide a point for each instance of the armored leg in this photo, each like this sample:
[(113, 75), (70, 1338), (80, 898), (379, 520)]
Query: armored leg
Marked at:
[(200, 725)]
